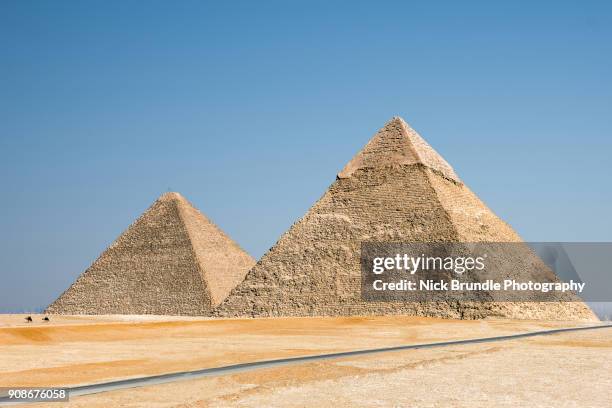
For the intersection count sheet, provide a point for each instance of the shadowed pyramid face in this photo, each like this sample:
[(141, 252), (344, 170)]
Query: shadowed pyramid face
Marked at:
[(396, 189), (171, 261)]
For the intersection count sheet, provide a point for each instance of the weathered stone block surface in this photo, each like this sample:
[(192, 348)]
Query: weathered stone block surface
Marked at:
[(171, 261), (397, 189)]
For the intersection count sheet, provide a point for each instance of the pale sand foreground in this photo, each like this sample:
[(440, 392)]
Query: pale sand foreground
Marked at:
[(570, 369)]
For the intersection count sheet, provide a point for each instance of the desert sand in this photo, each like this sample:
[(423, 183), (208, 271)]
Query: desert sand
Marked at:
[(558, 370)]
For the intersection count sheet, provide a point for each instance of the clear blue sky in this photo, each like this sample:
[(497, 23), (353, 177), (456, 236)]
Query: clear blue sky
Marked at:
[(250, 108)]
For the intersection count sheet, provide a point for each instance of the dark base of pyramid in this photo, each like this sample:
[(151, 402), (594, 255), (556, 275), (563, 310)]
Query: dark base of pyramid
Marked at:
[(447, 310)]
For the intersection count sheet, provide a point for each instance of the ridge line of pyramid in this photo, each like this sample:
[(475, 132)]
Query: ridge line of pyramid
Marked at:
[(180, 202), (186, 203), (406, 131), (204, 238)]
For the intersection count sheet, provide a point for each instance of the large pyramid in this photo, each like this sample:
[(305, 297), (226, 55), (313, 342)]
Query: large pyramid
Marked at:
[(396, 189), (171, 261)]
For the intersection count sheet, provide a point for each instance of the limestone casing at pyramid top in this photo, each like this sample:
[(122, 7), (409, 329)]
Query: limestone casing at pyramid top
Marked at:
[(398, 144)]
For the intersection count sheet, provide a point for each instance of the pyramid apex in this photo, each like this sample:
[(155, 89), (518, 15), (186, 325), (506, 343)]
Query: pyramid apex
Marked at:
[(171, 196), (398, 120), (398, 144)]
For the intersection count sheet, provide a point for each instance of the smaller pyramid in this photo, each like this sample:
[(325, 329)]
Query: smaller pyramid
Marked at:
[(171, 261)]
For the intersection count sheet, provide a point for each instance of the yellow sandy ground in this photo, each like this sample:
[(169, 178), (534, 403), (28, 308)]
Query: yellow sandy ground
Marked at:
[(70, 351)]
